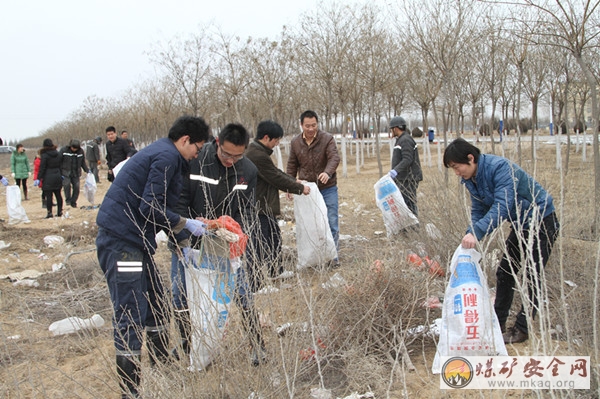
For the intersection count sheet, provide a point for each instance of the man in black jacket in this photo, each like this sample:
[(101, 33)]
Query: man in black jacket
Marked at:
[(222, 182), (270, 181), (406, 167), (73, 161), (117, 150)]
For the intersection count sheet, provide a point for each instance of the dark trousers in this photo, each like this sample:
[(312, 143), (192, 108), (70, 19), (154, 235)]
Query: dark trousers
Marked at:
[(23, 183), (136, 291), (59, 201), (517, 255), (268, 248), (408, 189), (71, 196)]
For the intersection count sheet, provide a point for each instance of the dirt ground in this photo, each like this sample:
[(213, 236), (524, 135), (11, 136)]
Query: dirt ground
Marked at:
[(36, 364)]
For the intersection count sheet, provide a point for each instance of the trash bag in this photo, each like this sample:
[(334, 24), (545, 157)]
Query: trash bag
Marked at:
[(313, 237), (396, 215), (16, 212), (89, 187), (210, 288), (469, 323)]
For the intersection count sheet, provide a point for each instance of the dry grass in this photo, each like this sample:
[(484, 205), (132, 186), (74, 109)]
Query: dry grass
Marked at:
[(347, 338)]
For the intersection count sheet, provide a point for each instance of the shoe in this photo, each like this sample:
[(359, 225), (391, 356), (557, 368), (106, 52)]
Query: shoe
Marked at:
[(73, 205), (59, 214), (513, 335), (334, 264), (258, 356), (48, 216)]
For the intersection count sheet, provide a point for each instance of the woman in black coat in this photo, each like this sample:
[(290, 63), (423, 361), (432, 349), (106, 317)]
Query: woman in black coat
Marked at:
[(51, 176)]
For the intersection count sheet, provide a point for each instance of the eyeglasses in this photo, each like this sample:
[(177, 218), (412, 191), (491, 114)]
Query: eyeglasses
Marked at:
[(227, 155), (197, 148)]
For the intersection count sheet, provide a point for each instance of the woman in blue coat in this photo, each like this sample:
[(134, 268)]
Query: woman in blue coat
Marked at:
[(502, 191)]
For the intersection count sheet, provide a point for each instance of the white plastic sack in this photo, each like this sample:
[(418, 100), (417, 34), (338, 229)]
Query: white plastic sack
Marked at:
[(16, 212), (313, 237), (89, 187), (396, 215), (469, 323), (210, 285), (117, 168)]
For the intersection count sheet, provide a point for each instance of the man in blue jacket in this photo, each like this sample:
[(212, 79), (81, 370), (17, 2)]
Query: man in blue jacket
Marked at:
[(502, 191), (138, 205)]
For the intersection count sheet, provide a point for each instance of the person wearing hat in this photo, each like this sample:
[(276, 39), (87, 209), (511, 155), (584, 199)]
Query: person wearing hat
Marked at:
[(406, 167), (49, 176), (92, 153), (73, 161)]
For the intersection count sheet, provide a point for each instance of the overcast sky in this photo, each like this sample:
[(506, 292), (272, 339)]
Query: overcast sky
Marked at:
[(54, 54)]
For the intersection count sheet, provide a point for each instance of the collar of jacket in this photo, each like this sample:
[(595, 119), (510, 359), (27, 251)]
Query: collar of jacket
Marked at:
[(313, 140), (262, 146)]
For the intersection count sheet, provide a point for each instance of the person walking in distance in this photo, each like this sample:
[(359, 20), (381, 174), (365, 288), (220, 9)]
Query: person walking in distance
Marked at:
[(73, 161), (92, 155), (406, 167), (314, 158), (117, 150), (50, 176), (502, 191), (19, 167), (138, 205)]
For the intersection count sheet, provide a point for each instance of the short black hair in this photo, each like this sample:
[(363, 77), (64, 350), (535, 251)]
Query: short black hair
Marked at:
[(458, 151), (193, 126), (269, 128), (308, 114), (235, 133), (111, 129)]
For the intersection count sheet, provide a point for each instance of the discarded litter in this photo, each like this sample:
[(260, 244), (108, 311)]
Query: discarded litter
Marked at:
[(432, 331), (4, 245), (26, 283), (335, 281), (433, 232), (57, 266), (51, 241), (73, 324), (320, 393), (268, 290)]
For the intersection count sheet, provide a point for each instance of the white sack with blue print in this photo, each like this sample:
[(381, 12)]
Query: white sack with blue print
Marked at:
[(469, 323)]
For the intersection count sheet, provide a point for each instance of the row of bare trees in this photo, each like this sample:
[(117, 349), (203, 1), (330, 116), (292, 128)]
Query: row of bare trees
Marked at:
[(455, 62), (459, 63)]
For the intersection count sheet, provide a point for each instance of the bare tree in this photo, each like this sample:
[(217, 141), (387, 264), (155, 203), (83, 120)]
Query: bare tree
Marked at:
[(574, 26), (187, 62)]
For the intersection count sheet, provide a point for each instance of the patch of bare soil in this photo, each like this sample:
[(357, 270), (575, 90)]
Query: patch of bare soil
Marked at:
[(346, 337)]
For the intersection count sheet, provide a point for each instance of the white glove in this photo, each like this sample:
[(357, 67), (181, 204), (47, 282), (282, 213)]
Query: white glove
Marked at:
[(12, 174), (196, 227), (393, 173), (4, 181)]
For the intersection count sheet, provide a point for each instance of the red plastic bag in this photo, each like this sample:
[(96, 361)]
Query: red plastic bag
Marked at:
[(227, 222)]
